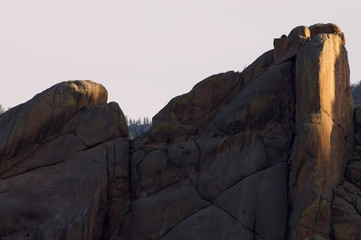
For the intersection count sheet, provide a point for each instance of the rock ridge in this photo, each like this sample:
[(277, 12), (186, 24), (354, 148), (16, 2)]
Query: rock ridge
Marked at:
[(272, 152)]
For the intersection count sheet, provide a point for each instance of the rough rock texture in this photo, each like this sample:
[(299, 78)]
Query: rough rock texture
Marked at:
[(323, 126), (346, 207), (63, 165), (226, 159), (264, 154), (287, 47)]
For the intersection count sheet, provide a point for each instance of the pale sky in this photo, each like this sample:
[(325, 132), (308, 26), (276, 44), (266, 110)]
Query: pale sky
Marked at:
[(145, 52)]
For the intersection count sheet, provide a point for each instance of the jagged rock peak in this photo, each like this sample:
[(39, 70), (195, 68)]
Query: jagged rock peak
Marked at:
[(288, 46)]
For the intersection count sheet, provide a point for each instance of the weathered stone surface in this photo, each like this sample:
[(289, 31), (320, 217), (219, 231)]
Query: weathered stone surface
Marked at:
[(187, 114), (357, 120), (155, 216), (209, 223), (119, 188), (225, 169), (259, 66), (353, 173), (258, 202), (324, 83), (70, 176), (41, 155), (156, 172), (346, 205), (323, 125), (89, 127), (39, 200), (244, 138), (346, 219), (317, 172), (33, 121), (327, 28), (97, 124), (287, 47)]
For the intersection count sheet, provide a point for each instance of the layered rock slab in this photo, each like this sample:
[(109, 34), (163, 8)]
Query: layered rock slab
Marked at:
[(29, 123)]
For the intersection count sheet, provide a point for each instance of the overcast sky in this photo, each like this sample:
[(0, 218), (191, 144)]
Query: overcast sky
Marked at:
[(145, 52)]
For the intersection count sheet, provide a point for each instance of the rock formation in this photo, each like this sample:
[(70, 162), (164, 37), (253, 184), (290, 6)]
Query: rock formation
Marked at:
[(268, 153), (63, 169)]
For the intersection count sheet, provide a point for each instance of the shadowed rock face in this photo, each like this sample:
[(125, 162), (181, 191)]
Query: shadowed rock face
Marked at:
[(261, 154), (63, 152)]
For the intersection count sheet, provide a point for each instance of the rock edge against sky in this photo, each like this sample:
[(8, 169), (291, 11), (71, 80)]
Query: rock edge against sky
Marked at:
[(271, 152)]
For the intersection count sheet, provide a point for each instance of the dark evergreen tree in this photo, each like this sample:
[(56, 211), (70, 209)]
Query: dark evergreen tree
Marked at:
[(138, 127), (356, 92), (2, 109)]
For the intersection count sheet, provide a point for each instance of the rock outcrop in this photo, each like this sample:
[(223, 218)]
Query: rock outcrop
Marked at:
[(323, 131), (64, 165), (268, 153)]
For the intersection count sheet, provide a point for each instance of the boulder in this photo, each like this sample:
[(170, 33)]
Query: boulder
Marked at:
[(27, 124), (328, 28), (287, 47), (64, 165)]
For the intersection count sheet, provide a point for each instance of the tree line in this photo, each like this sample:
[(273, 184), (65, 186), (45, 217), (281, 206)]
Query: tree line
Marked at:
[(356, 92), (138, 126)]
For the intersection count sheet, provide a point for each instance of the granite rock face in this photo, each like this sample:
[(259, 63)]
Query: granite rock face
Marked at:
[(227, 158), (324, 125), (63, 165), (268, 153)]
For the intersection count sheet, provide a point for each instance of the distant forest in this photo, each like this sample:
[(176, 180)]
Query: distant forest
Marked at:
[(356, 92), (138, 127)]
